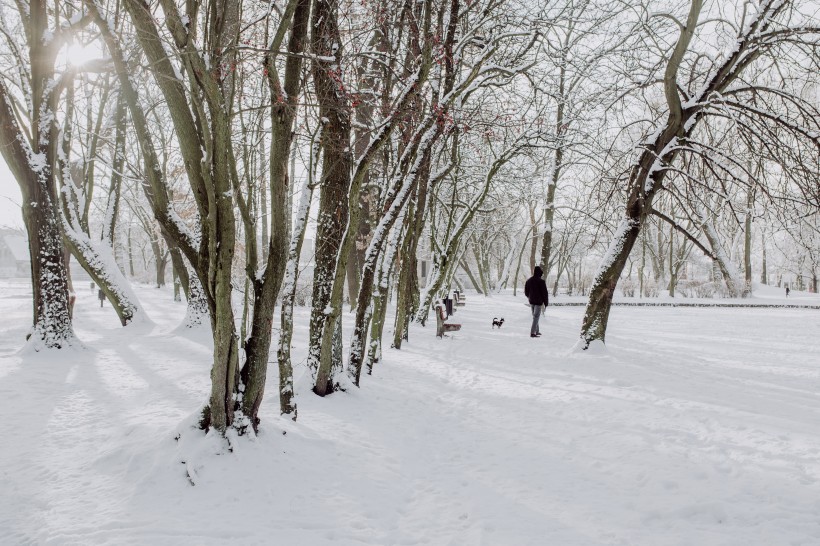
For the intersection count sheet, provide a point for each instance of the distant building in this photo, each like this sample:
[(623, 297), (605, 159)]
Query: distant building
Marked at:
[(14, 257)]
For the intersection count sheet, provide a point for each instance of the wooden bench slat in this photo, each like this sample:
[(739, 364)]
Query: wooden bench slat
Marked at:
[(442, 326)]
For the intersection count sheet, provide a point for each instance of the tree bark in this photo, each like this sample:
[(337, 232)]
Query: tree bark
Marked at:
[(334, 111)]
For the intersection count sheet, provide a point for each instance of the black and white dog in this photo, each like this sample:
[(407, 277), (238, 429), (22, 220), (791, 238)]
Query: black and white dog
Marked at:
[(498, 322)]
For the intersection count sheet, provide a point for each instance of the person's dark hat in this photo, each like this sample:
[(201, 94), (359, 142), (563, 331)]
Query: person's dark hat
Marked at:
[(538, 271)]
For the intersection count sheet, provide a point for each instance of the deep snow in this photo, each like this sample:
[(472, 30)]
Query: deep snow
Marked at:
[(695, 426)]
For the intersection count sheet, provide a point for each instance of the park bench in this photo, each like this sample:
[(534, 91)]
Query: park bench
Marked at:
[(459, 298), (441, 317)]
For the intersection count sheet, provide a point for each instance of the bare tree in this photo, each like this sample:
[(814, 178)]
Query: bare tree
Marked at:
[(30, 144), (709, 92)]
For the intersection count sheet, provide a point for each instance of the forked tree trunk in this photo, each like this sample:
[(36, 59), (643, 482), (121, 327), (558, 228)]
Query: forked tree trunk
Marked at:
[(722, 261), (365, 306), (648, 172), (208, 159), (408, 284), (266, 289), (33, 168)]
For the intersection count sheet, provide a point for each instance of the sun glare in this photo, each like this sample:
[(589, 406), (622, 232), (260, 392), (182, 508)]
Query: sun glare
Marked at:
[(79, 54)]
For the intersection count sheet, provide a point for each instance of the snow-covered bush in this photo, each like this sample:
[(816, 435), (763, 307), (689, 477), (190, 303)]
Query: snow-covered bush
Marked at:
[(696, 289), (650, 288)]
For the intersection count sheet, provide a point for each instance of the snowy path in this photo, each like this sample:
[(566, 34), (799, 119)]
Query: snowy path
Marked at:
[(697, 426)]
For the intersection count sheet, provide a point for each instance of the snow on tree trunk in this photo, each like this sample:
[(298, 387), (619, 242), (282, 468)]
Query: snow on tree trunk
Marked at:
[(52, 327), (661, 149), (287, 405), (334, 112), (97, 259), (196, 312), (34, 172)]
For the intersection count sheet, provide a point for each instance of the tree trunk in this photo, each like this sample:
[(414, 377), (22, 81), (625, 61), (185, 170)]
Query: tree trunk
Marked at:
[(407, 286), (114, 190), (518, 265), (49, 270), (400, 329), (177, 285), (130, 254), (483, 270), (365, 307), (647, 175), (52, 326), (287, 405), (673, 270), (558, 163), (181, 277), (159, 262), (196, 312), (333, 205), (97, 259), (747, 241), (722, 261), (467, 269), (533, 241), (380, 301), (266, 289), (209, 164), (603, 288)]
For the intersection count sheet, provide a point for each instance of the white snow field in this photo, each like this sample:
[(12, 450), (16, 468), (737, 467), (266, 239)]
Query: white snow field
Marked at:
[(696, 426)]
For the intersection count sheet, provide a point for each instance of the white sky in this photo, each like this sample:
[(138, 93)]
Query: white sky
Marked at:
[(10, 198)]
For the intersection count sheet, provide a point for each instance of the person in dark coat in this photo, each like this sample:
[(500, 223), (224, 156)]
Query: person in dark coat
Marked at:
[(536, 291)]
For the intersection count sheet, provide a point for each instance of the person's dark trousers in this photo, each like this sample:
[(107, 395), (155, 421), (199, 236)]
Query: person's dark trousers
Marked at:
[(536, 315)]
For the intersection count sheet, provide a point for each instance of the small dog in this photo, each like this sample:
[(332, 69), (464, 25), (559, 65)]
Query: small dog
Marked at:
[(498, 322)]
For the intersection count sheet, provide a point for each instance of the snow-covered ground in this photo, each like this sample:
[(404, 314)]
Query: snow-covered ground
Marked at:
[(695, 426)]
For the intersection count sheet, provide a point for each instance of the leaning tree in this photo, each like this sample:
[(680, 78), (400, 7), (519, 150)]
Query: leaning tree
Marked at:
[(698, 85)]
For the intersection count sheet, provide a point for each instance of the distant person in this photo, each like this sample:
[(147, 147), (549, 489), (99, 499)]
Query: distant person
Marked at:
[(536, 291), (101, 297), (787, 291)]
